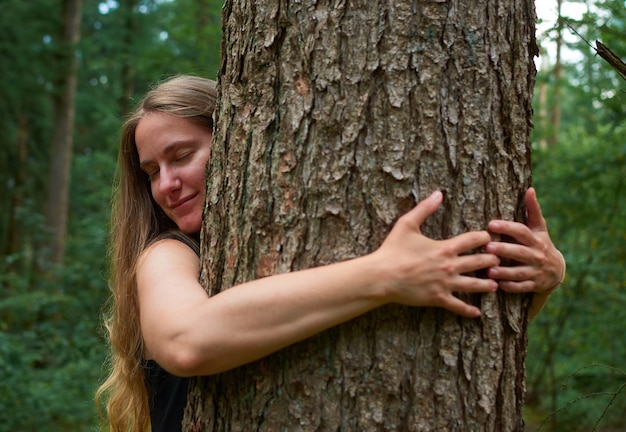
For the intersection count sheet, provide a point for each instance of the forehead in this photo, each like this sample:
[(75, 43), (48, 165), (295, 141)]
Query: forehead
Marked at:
[(159, 133)]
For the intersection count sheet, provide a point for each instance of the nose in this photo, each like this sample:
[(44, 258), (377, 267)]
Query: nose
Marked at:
[(169, 181)]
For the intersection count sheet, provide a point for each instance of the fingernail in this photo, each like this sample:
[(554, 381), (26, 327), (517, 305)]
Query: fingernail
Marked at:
[(436, 195)]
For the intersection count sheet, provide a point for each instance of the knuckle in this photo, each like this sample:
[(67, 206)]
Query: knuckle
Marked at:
[(448, 268), (447, 249), (439, 297)]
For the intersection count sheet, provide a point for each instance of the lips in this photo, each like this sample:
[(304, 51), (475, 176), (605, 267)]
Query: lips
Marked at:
[(182, 201)]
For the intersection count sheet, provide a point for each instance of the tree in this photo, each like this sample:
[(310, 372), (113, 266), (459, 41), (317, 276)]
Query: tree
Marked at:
[(23, 118), (57, 203), (557, 71), (334, 119), (574, 366)]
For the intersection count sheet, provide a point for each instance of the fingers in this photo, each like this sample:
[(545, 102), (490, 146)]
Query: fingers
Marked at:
[(425, 208), (459, 307), (474, 262), (536, 222), (516, 230), (467, 284), (515, 279), (468, 242), (523, 253), (518, 287), (524, 234), (531, 261), (540, 269)]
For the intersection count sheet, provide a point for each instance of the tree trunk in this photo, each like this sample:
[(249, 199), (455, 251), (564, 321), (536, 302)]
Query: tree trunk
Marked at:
[(57, 203), (15, 229), (557, 71), (335, 118), (129, 30)]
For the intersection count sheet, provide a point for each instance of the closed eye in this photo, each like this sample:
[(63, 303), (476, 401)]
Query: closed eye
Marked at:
[(183, 157), (150, 171)]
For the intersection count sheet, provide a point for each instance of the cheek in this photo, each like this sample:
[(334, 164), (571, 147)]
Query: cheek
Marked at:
[(200, 181), (156, 195), (200, 176)]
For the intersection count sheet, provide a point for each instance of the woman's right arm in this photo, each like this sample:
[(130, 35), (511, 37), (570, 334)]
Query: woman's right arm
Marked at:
[(188, 333)]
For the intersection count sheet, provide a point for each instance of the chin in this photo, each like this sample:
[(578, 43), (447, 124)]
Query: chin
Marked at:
[(190, 229), (189, 226)]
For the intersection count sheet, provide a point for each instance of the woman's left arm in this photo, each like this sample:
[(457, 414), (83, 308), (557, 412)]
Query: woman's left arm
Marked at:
[(541, 267)]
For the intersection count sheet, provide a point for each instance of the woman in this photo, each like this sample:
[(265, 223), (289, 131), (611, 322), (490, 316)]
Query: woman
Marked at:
[(158, 306)]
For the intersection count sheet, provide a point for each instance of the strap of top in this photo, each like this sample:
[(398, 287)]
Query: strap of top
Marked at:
[(192, 241)]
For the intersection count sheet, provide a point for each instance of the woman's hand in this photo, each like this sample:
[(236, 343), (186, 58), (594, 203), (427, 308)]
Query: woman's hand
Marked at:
[(426, 272), (541, 267)]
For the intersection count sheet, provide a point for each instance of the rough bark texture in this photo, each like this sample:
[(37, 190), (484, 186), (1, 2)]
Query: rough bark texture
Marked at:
[(335, 118)]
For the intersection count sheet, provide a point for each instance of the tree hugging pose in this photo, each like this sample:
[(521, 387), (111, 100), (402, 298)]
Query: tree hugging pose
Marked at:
[(159, 319)]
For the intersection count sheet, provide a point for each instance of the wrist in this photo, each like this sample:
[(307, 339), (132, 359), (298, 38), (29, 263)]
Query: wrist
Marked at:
[(380, 276), (562, 274)]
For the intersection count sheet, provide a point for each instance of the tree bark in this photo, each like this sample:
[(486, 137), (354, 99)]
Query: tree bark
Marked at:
[(557, 72), (57, 203), (129, 29), (334, 119)]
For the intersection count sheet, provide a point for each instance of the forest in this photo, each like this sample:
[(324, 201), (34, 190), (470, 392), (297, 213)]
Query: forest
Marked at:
[(74, 69)]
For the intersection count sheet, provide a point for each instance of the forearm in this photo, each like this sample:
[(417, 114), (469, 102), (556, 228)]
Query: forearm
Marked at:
[(537, 303), (252, 320)]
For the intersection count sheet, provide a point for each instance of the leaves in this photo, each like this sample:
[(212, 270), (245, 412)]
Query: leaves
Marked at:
[(580, 182), (52, 348)]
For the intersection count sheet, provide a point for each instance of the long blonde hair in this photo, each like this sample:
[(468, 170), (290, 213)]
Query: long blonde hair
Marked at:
[(136, 220)]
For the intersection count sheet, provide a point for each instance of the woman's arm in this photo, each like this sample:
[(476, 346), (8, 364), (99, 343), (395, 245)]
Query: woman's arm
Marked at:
[(541, 267), (189, 333)]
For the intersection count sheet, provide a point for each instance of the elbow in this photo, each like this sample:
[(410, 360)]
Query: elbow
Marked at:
[(181, 361), (185, 360)]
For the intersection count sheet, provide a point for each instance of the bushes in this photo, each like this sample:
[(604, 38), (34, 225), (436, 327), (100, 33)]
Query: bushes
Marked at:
[(576, 345), (51, 346), (50, 361)]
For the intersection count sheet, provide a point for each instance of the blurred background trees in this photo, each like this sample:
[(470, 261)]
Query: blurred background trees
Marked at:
[(575, 366), (51, 343)]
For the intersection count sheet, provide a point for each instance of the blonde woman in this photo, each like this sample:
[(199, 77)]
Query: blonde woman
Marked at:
[(157, 303)]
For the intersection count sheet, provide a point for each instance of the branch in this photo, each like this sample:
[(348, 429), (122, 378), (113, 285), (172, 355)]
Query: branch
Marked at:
[(612, 58), (603, 51)]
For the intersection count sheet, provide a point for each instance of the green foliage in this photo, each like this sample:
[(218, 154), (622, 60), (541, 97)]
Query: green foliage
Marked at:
[(576, 368), (25, 50), (581, 184), (52, 349), (49, 355)]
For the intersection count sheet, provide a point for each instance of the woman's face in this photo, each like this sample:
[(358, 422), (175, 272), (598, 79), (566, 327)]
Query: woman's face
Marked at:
[(173, 152)]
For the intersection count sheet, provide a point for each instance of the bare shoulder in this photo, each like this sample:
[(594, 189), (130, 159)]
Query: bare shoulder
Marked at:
[(167, 258), (169, 249), (168, 293)]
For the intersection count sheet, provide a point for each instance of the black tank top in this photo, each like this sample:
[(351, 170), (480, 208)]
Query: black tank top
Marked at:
[(167, 393)]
